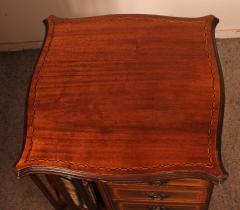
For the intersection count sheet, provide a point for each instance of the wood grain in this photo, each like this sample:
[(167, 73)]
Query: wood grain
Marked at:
[(125, 95), (150, 206)]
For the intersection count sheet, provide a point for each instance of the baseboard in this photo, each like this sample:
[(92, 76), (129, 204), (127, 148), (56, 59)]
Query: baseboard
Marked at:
[(16, 46), (228, 33)]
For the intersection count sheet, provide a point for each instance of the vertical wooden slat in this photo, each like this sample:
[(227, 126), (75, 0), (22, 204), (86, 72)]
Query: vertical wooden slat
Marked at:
[(81, 190), (50, 180), (105, 195), (46, 192), (65, 193)]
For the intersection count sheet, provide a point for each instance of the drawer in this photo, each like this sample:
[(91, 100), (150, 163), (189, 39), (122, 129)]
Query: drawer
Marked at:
[(134, 206), (186, 183), (160, 195)]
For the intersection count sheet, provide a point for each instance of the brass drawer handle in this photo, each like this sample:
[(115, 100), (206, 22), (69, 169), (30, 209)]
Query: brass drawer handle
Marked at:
[(157, 196), (157, 208), (159, 182)]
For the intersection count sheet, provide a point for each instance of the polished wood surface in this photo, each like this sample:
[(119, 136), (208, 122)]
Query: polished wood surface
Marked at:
[(135, 206), (161, 196), (126, 96), (187, 183), (171, 194)]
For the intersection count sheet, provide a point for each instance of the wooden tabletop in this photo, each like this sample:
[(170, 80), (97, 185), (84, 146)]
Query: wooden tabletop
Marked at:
[(126, 96)]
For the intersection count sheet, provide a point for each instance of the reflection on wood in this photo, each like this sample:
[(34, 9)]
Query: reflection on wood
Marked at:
[(72, 191), (75, 194)]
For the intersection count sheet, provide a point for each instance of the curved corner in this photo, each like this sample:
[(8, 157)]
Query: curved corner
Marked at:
[(29, 113), (213, 19), (50, 19), (214, 23)]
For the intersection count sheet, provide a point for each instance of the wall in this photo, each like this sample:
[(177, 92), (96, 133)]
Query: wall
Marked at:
[(21, 21)]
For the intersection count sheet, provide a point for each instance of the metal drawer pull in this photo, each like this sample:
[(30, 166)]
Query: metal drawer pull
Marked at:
[(157, 196), (157, 208), (159, 182)]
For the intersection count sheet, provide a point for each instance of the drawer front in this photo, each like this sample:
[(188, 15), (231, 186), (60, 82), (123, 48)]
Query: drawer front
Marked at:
[(177, 183), (134, 206), (173, 196)]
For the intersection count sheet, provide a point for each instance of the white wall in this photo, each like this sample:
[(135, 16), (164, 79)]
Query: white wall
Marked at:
[(21, 20)]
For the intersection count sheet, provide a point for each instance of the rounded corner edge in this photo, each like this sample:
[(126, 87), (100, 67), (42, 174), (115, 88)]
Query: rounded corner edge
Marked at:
[(50, 20)]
